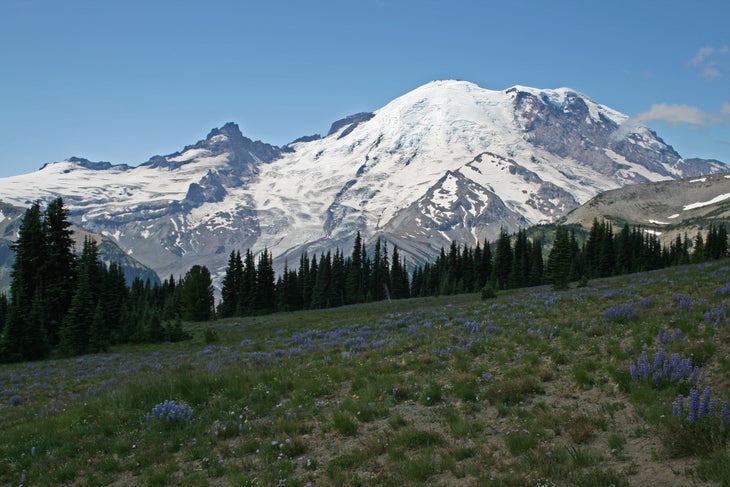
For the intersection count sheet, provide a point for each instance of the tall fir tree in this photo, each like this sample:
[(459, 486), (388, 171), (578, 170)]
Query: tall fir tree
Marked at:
[(76, 330), (265, 283), (559, 261), (354, 290), (503, 260), (230, 287), (59, 268), (196, 299), (24, 336)]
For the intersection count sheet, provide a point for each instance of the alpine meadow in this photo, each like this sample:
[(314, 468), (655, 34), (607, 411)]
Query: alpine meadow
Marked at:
[(473, 287)]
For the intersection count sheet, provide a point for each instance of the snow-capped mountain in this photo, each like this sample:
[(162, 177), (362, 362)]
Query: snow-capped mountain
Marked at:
[(448, 160)]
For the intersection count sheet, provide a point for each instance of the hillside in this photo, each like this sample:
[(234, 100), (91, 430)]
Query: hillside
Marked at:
[(532, 388), (666, 208)]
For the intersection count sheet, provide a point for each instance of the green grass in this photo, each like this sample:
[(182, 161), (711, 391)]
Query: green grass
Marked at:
[(390, 393)]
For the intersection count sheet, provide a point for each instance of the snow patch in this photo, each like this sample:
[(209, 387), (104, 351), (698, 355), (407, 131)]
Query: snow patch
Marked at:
[(657, 222), (700, 180), (700, 204), (672, 217)]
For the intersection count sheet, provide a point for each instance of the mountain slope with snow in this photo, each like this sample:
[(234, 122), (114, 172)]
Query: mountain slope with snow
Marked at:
[(448, 160), (665, 208)]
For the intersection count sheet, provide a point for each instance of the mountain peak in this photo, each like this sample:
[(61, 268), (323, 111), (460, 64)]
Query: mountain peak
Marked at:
[(231, 130)]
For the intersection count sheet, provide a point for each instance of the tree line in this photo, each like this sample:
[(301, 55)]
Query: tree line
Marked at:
[(67, 304), (250, 287)]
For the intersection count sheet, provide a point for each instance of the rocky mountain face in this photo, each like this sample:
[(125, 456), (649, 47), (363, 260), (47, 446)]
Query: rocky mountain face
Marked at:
[(666, 208), (449, 160)]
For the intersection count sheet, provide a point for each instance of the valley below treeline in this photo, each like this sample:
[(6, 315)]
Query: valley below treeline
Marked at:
[(616, 381)]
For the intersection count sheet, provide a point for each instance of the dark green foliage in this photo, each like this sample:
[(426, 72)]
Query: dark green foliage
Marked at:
[(230, 286), (3, 311), (21, 338), (76, 331), (488, 292), (58, 268), (503, 260), (98, 335), (196, 299), (559, 260)]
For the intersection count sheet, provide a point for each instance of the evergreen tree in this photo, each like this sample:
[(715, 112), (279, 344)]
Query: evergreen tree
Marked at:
[(398, 277), (698, 252), (265, 283), (536, 264), (336, 289), (485, 265), (196, 298), (21, 340), (98, 336), (76, 330), (354, 290), (521, 263), (320, 290), (59, 268), (113, 295), (377, 278), (3, 311), (503, 260), (247, 296), (230, 287), (559, 264)]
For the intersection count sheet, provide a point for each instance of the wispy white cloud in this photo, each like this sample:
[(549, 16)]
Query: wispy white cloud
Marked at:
[(675, 114), (711, 60), (671, 113)]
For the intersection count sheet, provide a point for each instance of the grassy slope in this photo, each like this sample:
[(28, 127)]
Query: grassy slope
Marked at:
[(531, 388)]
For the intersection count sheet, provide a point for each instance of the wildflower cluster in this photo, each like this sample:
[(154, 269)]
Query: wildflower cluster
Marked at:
[(666, 336), (621, 313), (647, 302), (700, 406), (716, 315), (723, 290), (683, 301), (672, 369), (171, 411)]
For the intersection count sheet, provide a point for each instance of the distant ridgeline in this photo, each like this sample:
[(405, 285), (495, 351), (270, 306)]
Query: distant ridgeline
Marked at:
[(61, 304)]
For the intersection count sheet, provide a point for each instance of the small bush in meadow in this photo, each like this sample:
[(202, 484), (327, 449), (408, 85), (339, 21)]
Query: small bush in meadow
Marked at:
[(488, 292)]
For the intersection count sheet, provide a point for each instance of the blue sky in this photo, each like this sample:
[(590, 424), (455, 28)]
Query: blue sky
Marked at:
[(123, 81)]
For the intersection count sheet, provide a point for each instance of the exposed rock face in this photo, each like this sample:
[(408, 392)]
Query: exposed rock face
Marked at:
[(449, 160)]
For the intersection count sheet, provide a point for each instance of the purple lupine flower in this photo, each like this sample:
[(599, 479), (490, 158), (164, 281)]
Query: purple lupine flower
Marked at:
[(704, 406), (678, 409), (694, 405), (725, 413)]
